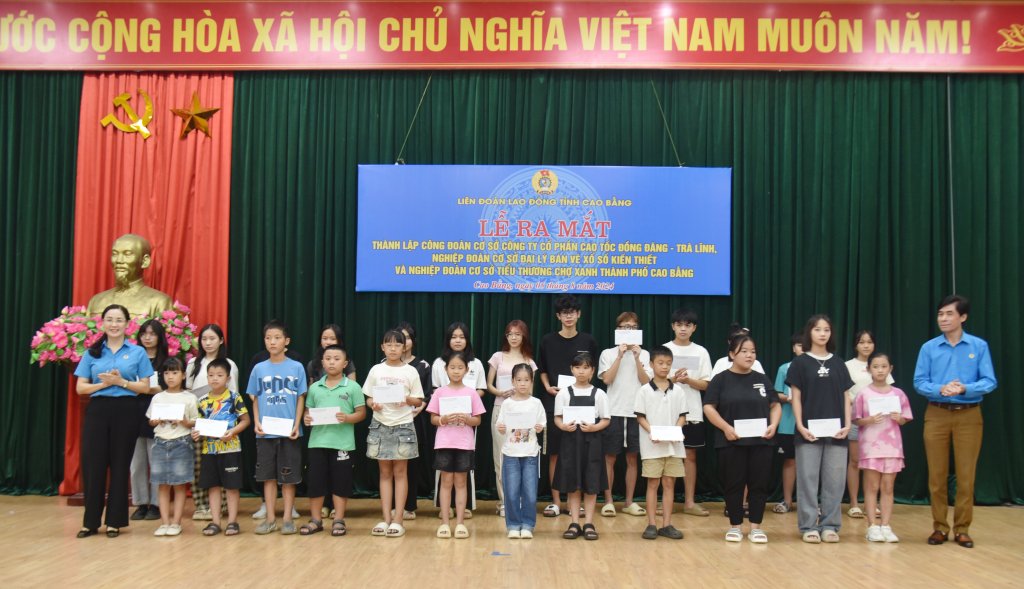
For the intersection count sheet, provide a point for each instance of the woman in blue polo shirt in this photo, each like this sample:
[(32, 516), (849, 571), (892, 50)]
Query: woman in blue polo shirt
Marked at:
[(111, 374)]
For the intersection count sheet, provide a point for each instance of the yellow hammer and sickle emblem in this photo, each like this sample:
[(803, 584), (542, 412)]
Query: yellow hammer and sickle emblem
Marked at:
[(137, 125)]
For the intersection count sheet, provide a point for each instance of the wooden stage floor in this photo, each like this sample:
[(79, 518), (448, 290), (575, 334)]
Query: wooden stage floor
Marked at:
[(39, 549)]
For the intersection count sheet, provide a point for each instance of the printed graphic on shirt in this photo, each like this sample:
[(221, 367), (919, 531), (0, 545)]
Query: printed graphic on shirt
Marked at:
[(226, 407), (278, 390)]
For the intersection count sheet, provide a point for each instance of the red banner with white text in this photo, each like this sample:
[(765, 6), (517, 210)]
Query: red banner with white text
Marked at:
[(238, 35)]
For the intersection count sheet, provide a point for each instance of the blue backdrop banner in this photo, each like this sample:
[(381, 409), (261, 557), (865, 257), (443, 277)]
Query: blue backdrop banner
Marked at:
[(626, 230)]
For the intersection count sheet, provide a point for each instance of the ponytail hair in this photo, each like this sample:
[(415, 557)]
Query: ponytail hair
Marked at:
[(96, 350)]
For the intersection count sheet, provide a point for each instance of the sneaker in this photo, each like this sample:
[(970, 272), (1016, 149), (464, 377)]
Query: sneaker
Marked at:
[(634, 509), (888, 535), (140, 513), (202, 515), (526, 534), (261, 513), (161, 531), (153, 513), (501, 510), (266, 527), (173, 530), (650, 532), (295, 513), (288, 528), (514, 534), (874, 534)]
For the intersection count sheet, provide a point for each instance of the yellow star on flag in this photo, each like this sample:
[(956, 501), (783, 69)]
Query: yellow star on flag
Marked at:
[(195, 118)]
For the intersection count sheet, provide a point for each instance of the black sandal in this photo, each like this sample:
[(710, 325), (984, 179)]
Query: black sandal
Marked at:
[(589, 532), (572, 532), (113, 532), (314, 526), (232, 529), (211, 529), (85, 533), (338, 528)]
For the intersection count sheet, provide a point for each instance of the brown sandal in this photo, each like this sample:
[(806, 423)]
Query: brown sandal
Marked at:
[(211, 529), (572, 532), (338, 528), (312, 527)]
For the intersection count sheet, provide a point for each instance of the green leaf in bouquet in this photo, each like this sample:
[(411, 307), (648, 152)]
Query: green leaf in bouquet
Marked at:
[(91, 324)]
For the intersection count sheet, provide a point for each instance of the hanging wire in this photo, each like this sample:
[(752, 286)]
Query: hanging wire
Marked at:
[(412, 123), (949, 141), (664, 121)]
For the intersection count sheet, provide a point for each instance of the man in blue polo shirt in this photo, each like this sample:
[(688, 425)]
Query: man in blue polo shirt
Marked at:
[(954, 372)]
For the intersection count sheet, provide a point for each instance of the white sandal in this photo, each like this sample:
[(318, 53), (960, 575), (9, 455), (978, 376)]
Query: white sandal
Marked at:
[(734, 535), (552, 510), (380, 529), (757, 536), (395, 530)]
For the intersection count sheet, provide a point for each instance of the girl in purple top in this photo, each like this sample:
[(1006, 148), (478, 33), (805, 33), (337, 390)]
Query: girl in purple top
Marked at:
[(881, 445)]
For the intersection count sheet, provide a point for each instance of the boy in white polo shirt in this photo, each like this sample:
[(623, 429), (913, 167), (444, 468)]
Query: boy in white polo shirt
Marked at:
[(661, 402)]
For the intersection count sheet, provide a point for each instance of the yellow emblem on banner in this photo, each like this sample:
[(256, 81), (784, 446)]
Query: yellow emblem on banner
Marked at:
[(137, 124), (545, 182), (1014, 38)]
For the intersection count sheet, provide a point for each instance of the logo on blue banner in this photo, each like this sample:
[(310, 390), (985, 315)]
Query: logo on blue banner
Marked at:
[(626, 230)]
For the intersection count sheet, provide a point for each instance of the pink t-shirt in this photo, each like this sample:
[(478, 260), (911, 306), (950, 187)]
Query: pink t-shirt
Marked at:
[(880, 440), (457, 437)]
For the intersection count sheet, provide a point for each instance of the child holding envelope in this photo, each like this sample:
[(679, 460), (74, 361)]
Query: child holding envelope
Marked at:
[(221, 466), (172, 414), (743, 405), (880, 410), (455, 409), (334, 405), (581, 411)]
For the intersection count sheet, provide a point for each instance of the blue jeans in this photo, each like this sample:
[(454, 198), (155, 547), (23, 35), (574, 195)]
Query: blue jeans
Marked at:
[(519, 477)]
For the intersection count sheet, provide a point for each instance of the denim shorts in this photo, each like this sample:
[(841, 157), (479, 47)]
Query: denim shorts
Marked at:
[(391, 442), (172, 462)]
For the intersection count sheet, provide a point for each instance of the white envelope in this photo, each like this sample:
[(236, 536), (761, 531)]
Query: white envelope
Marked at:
[(666, 433), (750, 428), (503, 383), (884, 405), (324, 415), (520, 420), (571, 414), (824, 428), (462, 404), (167, 411), (211, 428), (629, 336), (277, 426), (687, 362), (565, 381), (388, 393)]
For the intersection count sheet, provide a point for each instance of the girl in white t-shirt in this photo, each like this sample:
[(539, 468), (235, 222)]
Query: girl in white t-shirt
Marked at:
[(515, 349), (520, 453)]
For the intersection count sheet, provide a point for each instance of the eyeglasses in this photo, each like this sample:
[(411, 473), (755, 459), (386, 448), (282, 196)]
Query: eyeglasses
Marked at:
[(569, 313)]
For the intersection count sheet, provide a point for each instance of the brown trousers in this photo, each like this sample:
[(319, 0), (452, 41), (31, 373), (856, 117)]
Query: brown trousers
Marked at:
[(963, 429)]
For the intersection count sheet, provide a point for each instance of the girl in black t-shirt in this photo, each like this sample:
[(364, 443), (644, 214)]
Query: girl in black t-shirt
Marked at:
[(818, 381), (744, 461)]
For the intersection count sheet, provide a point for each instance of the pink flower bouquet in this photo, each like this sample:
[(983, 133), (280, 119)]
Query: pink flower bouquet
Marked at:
[(66, 338)]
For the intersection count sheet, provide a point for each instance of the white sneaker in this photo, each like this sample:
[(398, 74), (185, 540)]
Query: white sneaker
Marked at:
[(526, 534), (173, 530), (161, 531), (888, 535), (261, 513), (875, 534), (202, 515), (501, 510), (295, 513), (514, 535)]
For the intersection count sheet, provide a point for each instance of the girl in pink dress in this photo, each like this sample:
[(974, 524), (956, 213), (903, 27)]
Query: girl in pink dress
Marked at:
[(879, 411)]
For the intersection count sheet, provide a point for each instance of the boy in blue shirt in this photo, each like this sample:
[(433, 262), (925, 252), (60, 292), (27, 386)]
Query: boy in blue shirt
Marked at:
[(278, 389)]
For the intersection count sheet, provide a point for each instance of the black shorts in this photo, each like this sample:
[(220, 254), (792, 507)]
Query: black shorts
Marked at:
[(452, 460), (329, 470), (623, 433), (221, 470), (279, 459), (785, 449), (695, 434)]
